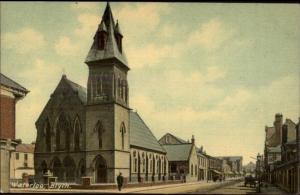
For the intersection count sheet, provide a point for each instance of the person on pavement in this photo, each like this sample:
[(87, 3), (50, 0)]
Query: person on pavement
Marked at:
[(120, 181)]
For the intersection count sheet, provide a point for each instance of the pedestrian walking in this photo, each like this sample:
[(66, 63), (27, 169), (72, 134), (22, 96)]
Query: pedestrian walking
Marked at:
[(120, 181)]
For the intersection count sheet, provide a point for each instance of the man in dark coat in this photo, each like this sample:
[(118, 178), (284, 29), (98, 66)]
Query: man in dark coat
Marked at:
[(120, 181)]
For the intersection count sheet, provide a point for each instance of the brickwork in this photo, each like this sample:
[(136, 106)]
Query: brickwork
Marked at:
[(7, 117)]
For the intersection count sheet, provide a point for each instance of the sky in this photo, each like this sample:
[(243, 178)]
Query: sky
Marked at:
[(217, 71)]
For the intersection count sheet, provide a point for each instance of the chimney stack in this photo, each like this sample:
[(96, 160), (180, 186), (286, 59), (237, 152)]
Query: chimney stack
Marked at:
[(284, 134)]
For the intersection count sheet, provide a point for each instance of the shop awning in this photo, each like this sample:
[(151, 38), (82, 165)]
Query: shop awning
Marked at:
[(217, 172)]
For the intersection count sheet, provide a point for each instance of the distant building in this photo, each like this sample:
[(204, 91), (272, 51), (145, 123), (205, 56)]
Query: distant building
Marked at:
[(182, 157), (214, 167), (10, 93), (273, 143), (281, 157), (203, 163), (21, 162), (249, 168), (235, 163)]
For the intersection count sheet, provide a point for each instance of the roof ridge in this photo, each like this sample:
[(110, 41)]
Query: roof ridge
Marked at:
[(178, 144), (178, 139)]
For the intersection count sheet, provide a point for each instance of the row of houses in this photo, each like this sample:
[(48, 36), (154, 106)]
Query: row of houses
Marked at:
[(186, 162), (282, 154)]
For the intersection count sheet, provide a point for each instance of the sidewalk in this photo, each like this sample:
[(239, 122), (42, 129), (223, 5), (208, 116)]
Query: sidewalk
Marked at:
[(168, 188), (271, 189)]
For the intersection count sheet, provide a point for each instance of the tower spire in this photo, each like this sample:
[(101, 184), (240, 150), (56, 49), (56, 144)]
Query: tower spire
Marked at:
[(107, 42)]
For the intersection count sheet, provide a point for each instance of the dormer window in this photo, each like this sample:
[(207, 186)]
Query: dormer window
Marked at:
[(118, 36), (119, 43), (101, 40)]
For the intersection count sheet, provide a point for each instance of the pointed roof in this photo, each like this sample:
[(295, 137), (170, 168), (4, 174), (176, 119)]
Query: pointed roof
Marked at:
[(7, 82), (178, 152), (141, 135), (81, 91), (179, 140), (102, 27), (111, 49), (117, 29)]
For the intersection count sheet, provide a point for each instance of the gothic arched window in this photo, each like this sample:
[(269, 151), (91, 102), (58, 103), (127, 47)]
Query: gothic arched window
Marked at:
[(101, 40), (47, 132), (135, 167), (123, 131), (99, 86), (77, 130), (192, 169), (119, 87), (100, 130), (126, 91), (62, 133)]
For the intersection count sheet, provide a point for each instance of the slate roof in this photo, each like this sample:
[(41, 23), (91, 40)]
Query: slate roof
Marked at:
[(82, 92), (179, 139), (4, 80), (111, 49), (26, 148), (141, 135), (178, 152)]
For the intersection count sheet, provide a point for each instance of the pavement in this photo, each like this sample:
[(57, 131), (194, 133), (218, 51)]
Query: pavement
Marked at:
[(161, 189), (271, 189), (234, 188)]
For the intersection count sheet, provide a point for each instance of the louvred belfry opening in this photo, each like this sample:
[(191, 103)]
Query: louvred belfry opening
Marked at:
[(107, 64)]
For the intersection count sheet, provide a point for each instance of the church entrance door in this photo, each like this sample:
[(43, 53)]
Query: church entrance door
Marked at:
[(101, 170)]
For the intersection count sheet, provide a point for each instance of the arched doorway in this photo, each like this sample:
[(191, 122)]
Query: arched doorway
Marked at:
[(70, 169), (43, 167), (100, 170), (81, 169), (57, 169)]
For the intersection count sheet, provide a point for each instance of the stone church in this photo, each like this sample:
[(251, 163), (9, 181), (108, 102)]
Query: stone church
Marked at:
[(92, 131)]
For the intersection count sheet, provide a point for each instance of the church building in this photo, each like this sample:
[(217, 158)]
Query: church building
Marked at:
[(92, 132)]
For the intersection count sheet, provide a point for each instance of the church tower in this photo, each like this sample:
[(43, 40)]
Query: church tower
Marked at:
[(107, 110)]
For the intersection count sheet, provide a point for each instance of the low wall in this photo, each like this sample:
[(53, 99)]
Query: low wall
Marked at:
[(128, 185)]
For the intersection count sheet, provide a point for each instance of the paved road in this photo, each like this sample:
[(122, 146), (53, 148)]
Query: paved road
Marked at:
[(164, 189), (235, 188)]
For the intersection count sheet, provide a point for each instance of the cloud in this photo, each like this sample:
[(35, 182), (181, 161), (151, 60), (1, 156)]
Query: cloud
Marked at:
[(152, 54), (24, 41), (87, 25), (211, 35), (141, 18), (65, 47), (183, 91), (36, 79), (73, 44), (242, 112)]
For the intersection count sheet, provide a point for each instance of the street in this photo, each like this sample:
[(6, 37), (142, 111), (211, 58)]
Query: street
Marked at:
[(233, 188)]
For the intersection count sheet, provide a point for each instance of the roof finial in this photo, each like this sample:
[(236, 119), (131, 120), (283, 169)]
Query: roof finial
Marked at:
[(64, 73)]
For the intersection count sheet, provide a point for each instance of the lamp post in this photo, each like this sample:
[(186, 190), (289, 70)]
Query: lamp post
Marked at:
[(258, 170)]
